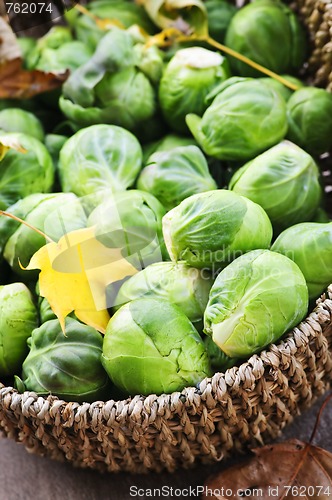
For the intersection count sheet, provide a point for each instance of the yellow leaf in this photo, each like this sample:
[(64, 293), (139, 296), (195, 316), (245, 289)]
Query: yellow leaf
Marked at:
[(74, 275), (8, 142)]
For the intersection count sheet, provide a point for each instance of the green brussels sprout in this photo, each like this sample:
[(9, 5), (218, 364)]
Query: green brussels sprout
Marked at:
[(171, 176), (27, 45), (309, 112), (284, 180), (54, 214), (218, 359), (131, 220), (188, 78), (166, 143), (100, 157), (150, 61), (309, 245), (184, 286), (22, 174), (109, 88), (151, 347), (220, 13), (269, 33), (254, 301), (70, 55), (213, 228), (125, 13), (19, 120), (244, 119), (56, 37), (18, 317), (284, 91), (67, 366)]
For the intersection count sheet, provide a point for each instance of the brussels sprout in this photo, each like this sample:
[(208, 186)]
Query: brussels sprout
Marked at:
[(70, 55), (67, 366), (166, 143), (124, 13), (309, 245), (254, 301), (22, 174), (309, 112), (18, 120), (27, 46), (244, 119), (150, 346), (269, 33), (220, 13), (179, 284), (187, 80), (171, 176), (218, 359), (284, 91), (131, 221), (18, 317), (54, 214), (213, 228), (284, 180), (150, 61), (100, 157), (109, 88)]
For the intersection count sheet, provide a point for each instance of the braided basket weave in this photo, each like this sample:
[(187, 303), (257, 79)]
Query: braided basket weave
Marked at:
[(246, 406)]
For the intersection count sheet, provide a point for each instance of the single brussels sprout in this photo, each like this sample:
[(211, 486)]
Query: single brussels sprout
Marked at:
[(100, 157), (309, 245), (22, 174), (123, 13), (254, 301), (166, 143), (171, 176), (244, 119), (284, 91), (184, 286), (151, 347), (188, 78), (213, 228), (67, 366), (56, 37), (109, 88), (284, 180), (220, 13), (218, 359), (150, 60), (269, 33), (70, 55), (131, 220), (18, 120), (54, 214), (18, 317), (309, 112)]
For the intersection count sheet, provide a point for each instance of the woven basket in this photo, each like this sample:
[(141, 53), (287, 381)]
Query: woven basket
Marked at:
[(246, 406)]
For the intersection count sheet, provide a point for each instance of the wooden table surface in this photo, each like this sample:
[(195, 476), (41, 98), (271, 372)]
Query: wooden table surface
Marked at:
[(29, 477)]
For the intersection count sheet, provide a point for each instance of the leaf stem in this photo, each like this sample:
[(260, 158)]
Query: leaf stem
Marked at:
[(325, 402), (18, 219)]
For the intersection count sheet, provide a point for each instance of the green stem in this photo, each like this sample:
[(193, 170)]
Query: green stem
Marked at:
[(18, 219)]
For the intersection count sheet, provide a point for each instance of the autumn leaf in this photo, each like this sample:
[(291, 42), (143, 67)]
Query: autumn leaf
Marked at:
[(187, 16), (16, 82), (74, 275), (7, 142), (291, 469)]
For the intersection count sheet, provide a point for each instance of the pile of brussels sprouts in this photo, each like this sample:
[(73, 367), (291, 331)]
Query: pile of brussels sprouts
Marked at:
[(204, 172)]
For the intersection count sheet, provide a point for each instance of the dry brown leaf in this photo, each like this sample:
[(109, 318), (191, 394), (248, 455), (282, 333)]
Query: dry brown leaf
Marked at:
[(16, 82), (291, 469)]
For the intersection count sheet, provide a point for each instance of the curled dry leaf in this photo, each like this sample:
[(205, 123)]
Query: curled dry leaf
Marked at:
[(291, 469), (16, 82)]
